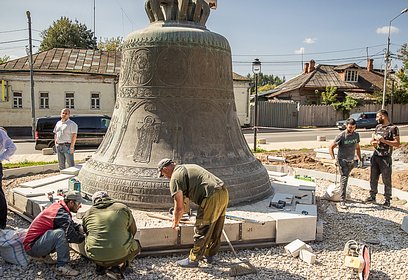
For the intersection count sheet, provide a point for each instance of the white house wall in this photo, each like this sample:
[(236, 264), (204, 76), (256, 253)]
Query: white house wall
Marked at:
[(56, 86), (241, 96), (82, 85)]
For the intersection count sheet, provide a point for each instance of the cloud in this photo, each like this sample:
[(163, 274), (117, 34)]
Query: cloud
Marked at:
[(384, 30), (309, 40), (300, 51)]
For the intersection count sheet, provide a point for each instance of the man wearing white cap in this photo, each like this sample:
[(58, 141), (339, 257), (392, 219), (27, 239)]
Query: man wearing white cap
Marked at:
[(209, 193), (110, 229)]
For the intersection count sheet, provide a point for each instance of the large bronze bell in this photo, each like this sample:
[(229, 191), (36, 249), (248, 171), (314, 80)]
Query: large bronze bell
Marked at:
[(175, 100)]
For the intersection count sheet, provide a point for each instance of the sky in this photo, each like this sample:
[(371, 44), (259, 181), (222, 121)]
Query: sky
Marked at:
[(282, 34)]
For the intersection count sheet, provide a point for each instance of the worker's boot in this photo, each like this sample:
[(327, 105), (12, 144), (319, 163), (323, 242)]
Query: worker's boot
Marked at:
[(387, 203), (187, 263), (370, 199)]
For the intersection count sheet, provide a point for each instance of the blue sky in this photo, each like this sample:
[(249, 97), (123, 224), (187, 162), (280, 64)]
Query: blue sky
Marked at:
[(276, 32)]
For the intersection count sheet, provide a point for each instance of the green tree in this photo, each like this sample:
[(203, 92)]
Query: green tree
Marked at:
[(4, 59), (64, 33), (264, 80), (402, 92), (266, 87), (110, 44), (329, 96)]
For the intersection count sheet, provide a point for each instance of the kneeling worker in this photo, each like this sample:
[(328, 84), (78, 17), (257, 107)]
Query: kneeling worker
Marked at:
[(209, 193), (110, 229), (52, 230)]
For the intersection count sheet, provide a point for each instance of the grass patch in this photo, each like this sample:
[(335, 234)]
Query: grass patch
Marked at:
[(27, 163), (259, 150)]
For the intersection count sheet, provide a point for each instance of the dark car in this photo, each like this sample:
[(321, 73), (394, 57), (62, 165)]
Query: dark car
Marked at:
[(91, 130), (363, 120)]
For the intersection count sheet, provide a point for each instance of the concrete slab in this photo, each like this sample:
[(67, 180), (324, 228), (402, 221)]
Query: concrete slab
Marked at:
[(287, 197), (277, 174), (232, 230), (277, 225), (294, 247), (307, 256), (254, 231), (404, 224), (46, 181), (310, 209), (157, 237), (291, 226), (74, 170)]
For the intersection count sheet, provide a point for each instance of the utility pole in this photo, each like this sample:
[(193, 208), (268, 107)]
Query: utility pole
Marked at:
[(94, 19), (30, 58)]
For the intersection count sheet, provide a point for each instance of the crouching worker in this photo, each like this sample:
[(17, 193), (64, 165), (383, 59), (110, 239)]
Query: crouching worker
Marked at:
[(52, 231), (209, 193), (110, 229)]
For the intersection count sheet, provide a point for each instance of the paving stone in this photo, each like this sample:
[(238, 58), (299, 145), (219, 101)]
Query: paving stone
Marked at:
[(404, 224), (46, 181), (307, 256), (294, 247)]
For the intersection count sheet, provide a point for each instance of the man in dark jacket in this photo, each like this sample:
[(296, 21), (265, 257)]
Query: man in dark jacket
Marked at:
[(110, 229), (52, 230)]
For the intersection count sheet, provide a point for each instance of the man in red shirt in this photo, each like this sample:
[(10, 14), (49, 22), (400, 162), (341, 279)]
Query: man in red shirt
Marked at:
[(52, 230)]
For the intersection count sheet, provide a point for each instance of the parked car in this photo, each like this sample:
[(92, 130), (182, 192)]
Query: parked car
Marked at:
[(363, 120), (91, 130)]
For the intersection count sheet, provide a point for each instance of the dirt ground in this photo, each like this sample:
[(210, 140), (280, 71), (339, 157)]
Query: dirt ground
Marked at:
[(307, 159)]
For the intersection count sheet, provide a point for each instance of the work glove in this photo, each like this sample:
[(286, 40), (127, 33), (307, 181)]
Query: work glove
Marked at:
[(359, 164)]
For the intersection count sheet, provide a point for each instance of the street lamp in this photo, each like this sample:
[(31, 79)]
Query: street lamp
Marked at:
[(256, 69), (387, 56)]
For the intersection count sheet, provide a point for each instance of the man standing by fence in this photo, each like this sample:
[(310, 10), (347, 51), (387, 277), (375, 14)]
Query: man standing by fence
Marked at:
[(348, 143)]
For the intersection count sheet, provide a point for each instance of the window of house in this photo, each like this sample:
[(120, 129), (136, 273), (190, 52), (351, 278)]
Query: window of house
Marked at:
[(44, 100), (69, 100), (95, 101), (17, 100), (351, 76)]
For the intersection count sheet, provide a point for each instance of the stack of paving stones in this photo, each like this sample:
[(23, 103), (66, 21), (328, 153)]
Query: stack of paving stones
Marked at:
[(361, 222)]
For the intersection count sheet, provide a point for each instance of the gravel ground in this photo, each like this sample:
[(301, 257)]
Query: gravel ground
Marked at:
[(360, 222)]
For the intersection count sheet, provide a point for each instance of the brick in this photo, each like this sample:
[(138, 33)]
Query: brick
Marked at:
[(307, 256), (294, 247)]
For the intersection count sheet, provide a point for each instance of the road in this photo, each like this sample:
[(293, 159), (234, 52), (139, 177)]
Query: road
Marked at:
[(297, 135), (273, 135), (25, 148)]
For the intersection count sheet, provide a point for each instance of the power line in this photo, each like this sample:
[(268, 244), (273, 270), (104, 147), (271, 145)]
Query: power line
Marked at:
[(123, 11), (299, 61), (314, 53), (13, 41), (10, 31)]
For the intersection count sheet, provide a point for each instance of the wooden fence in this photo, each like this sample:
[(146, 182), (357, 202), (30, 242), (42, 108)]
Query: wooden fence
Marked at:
[(292, 115)]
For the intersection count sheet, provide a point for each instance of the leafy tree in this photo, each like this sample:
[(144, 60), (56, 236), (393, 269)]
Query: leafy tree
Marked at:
[(64, 33), (110, 44), (345, 106), (403, 74), (264, 80), (329, 96), (266, 87), (4, 59)]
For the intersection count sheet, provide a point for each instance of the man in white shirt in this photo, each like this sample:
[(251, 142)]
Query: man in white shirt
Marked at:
[(7, 149), (65, 135)]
